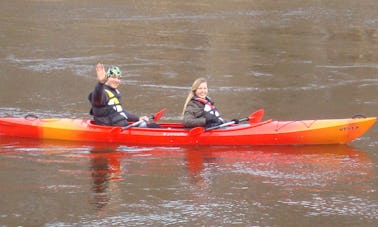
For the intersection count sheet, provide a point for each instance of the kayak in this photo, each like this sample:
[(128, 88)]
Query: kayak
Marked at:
[(267, 132)]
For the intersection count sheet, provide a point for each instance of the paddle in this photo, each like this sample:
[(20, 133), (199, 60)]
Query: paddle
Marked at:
[(155, 116), (252, 118)]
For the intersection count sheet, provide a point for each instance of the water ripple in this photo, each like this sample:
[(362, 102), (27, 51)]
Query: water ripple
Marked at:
[(338, 205)]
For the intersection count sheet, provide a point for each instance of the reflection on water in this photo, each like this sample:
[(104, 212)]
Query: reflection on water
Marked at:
[(191, 183), (105, 168)]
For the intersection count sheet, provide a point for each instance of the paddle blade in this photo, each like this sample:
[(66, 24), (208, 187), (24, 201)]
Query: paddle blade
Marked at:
[(159, 114), (256, 116), (196, 131), (115, 131)]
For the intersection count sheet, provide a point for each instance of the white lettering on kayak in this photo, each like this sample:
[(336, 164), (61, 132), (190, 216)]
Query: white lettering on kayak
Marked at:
[(175, 134)]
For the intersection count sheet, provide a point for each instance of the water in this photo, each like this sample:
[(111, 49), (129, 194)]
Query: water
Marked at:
[(59, 183), (296, 59)]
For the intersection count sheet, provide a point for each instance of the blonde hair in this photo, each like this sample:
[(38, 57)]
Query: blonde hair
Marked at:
[(192, 92)]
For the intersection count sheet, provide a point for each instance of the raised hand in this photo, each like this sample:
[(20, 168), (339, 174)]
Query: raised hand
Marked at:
[(101, 74)]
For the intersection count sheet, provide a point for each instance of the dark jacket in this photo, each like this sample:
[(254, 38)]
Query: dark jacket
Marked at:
[(104, 112), (195, 115)]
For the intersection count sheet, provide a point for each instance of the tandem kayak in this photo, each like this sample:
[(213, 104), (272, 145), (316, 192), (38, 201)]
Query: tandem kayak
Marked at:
[(267, 132)]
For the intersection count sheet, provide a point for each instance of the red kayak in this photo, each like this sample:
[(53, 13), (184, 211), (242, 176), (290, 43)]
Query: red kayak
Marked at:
[(256, 132)]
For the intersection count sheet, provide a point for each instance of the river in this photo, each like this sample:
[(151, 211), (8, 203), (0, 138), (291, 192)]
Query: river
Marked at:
[(296, 59)]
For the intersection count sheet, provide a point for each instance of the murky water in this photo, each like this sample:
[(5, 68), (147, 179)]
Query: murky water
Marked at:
[(296, 59)]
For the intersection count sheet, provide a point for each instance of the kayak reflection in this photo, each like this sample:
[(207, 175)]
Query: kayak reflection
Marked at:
[(106, 159), (308, 168), (105, 168)]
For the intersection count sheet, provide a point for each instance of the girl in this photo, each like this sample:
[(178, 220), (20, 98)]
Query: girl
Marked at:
[(199, 109)]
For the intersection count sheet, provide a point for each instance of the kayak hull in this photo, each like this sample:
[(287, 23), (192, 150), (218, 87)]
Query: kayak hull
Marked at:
[(303, 132)]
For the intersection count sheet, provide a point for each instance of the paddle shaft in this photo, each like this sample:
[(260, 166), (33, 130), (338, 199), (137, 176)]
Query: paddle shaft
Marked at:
[(155, 116), (227, 124), (252, 118), (132, 125)]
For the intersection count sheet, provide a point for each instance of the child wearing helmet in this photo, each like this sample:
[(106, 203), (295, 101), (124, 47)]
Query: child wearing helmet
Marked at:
[(106, 100)]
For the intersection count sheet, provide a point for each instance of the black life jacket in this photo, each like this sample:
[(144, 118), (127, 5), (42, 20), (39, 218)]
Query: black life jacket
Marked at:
[(110, 114)]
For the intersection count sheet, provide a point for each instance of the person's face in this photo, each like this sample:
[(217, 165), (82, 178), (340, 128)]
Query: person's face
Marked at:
[(202, 90), (114, 81)]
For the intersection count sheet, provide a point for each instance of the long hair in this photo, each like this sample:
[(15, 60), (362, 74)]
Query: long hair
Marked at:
[(195, 86)]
